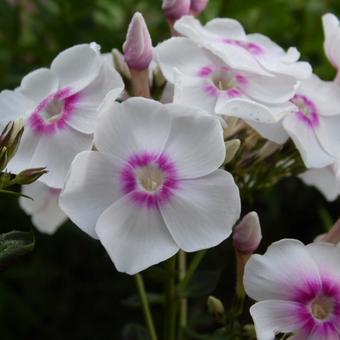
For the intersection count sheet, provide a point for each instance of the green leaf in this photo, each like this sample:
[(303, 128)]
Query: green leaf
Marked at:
[(13, 245), (202, 283), (135, 332)]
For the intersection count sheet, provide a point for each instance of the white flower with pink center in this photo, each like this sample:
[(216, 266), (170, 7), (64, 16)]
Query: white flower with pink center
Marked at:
[(43, 208), (59, 107), (326, 180), (331, 29), (298, 290), (314, 128), (153, 187), (256, 53), (203, 80)]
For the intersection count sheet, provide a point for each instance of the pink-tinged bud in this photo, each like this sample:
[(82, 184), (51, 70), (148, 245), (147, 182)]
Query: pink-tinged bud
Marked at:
[(175, 9), (30, 175), (138, 45), (247, 234), (333, 236), (198, 6)]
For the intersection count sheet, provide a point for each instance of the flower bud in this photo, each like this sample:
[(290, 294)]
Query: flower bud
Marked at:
[(215, 307), (333, 236), (30, 175), (3, 158), (10, 138), (232, 147), (138, 45), (120, 63), (175, 9), (198, 6), (247, 234)]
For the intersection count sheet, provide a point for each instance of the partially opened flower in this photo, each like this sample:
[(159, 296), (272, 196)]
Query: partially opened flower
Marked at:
[(249, 52), (326, 180), (43, 208), (332, 40), (59, 106), (314, 128), (298, 289), (154, 185), (205, 81)]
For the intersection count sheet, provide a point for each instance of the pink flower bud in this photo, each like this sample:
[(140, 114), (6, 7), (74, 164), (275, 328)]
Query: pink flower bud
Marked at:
[(247, 234), (333, 236), (175, 9), (138, 45), (198, 6)]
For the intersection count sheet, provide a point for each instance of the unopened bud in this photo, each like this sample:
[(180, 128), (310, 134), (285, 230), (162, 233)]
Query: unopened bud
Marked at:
[(247, 234), (333, 236), (198, 6), (30, 175), (6, 133), (120, 63), (3, 158), (232, 147), (215, 307), (175, 9), (138, 45)]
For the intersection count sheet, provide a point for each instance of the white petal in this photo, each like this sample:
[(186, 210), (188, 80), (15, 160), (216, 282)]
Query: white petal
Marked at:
[(46, 214), (137, 124), (182, 54), (108, 82), (328, 134), (275, 316), (324, 180), (56, 152), (203, 211), (226, 28), (285, 268), (135, 237), (39, 84), (90, 188), (312, 153), (196, 145), (77, 67), (332, 38)]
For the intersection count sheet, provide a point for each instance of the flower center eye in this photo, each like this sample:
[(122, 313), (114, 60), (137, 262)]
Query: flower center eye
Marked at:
[(322, 307), (53, 110), (151, 178)]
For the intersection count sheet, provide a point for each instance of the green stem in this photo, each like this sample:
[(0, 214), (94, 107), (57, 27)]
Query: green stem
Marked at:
[(146, 308), (170, 301), (183, 310)]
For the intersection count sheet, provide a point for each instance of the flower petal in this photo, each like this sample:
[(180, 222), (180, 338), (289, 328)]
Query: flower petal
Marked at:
[(303, 135), (328, 134), (332, 37), (285, 268), (91, 187), (203, 211), (274, 316), (195, 145), (142, 124), (135, 237), (76, 67)]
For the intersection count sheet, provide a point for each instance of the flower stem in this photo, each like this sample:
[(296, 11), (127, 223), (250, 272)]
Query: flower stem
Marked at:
[(146, 308), (183, 310), (140, 83)]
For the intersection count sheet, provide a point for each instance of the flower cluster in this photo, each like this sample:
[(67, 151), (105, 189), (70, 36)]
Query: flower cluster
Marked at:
[(148, 178)]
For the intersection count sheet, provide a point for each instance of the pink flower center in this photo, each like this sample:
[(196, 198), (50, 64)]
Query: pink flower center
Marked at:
[(52, 113), (222, 79), (308, 112), (151, 179), (250, 47)]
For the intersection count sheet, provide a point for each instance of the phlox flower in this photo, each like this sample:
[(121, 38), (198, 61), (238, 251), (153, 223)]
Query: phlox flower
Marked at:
[(326, 180), (153, 186), (43, 208), (59, 106), (332, 40), (205, 81), (298, 290), (255, 52)]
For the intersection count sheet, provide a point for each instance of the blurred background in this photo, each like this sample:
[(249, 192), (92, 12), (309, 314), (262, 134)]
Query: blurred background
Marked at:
[(68, 288)]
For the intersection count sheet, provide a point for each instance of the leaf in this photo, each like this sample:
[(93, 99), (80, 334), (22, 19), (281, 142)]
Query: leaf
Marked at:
[(135, 332), (134, 300), (15, 244), (202, 283)]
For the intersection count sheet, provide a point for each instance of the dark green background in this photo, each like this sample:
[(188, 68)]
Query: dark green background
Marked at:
[(68, 288)]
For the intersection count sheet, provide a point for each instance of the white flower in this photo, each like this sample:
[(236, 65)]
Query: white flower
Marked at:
[(205, 81), (59, 106), (256, 53), (326, 180), (298, 289), (44, 209), (314, 128), (154, 185), (332, 39)]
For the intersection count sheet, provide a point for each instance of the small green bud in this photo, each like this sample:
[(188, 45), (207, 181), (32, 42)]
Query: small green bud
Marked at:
[(232, 147), (30, 175), (3, 158), (216, 308)]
